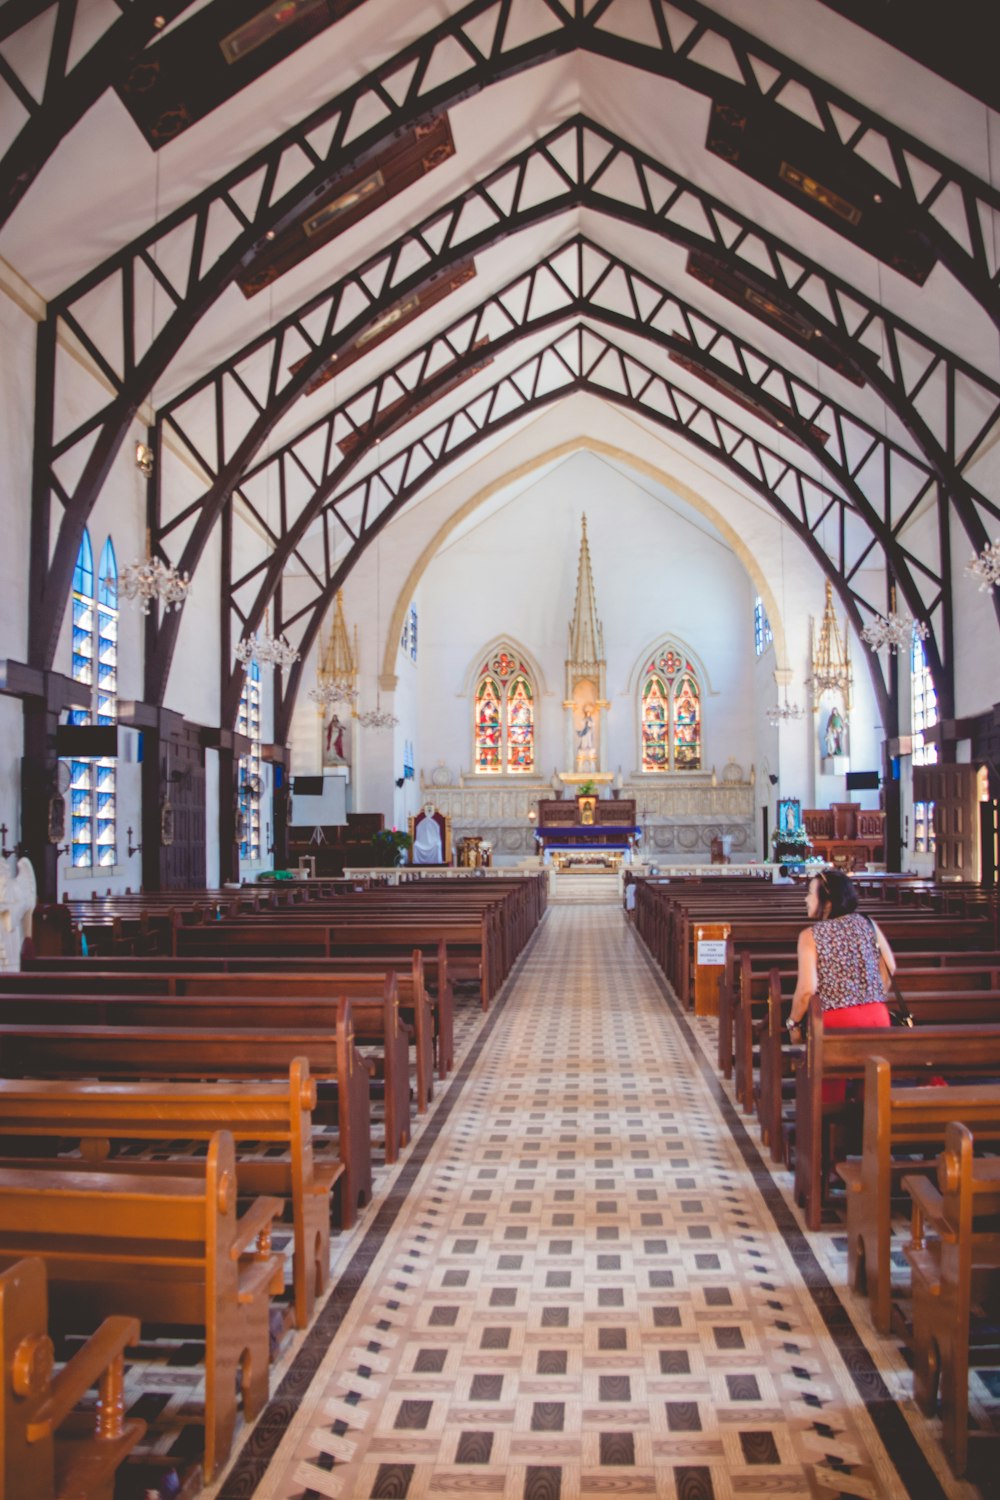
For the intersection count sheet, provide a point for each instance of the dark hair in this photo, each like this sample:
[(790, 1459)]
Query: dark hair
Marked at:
[(782, 869), (836, 891)]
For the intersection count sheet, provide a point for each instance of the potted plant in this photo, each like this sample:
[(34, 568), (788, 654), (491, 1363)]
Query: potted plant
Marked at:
[(390, 847)]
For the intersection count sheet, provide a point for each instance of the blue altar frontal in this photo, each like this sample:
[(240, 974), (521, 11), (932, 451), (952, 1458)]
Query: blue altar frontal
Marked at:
[(586, 835)]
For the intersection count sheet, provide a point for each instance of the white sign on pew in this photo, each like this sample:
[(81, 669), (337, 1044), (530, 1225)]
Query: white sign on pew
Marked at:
[(711, 951)]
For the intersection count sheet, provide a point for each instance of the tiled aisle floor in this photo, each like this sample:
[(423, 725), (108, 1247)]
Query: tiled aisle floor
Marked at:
[(586, 1282)]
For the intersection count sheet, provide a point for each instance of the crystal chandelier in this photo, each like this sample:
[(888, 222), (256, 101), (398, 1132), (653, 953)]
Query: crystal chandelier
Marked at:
[(153, 580), (986, 566), (784, 712), (326, 693), (336, 680), (378, 717), (892, 630), (266, 650), (831, 662)]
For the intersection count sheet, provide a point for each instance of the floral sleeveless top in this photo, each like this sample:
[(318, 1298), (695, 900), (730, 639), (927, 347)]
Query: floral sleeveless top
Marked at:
[(847, 962)]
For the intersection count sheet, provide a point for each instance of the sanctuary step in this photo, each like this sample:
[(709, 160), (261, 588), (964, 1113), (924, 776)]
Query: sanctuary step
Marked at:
[(585, 884)]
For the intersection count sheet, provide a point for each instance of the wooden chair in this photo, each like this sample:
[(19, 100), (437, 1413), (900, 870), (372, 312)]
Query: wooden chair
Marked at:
[(167, 1249), (46, 1453), (952, 1274)]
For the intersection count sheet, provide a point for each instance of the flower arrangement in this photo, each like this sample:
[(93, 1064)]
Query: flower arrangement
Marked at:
[(391, 846)]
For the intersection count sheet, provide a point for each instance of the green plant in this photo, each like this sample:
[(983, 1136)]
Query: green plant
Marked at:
[(587, 789), (391, 846)]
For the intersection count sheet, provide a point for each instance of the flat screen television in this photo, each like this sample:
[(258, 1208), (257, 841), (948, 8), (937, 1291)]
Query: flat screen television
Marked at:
[(862, 781), (85, 741)]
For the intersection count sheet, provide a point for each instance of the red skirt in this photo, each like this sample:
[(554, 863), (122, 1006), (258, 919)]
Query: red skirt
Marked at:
[(858, 1018)]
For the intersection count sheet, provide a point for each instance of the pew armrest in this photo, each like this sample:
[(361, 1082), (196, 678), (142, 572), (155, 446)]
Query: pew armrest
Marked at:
[(256, 1221), (850, 1174), (88, 1365)]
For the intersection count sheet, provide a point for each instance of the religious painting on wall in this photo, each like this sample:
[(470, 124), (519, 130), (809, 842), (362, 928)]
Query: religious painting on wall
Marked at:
[(670, 726), (336, 742), (504, 723)]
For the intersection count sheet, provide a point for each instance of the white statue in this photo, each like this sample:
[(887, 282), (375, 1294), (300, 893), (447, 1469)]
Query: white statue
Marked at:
[(18, 897), (427, 847)]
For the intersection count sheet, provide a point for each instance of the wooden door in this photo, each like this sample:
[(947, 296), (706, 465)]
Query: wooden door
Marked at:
[(955, 792)]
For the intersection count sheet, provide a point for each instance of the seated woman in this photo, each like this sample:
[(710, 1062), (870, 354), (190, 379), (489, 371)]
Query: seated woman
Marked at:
[(843, 958)]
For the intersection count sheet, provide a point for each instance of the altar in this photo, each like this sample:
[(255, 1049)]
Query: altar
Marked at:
[(586, 831)]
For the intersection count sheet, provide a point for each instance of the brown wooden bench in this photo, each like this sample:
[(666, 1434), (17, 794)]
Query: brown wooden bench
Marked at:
[(172, 977), (963, 998), (900, 1125), (211, 1053), (969, 1052), (958, 1267), (276, 1114), (45, 1453), (417, 972), (167, 1250)]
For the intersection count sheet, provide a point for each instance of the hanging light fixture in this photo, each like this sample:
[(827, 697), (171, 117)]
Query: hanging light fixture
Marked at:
[(378, 717), (986, 567), (336, 680), (266, 649), (154, 581), (783, 712), (895, 631), (831, 661), (151, 580)]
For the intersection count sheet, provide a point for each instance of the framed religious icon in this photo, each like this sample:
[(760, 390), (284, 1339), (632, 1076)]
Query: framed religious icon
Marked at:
[(789, 816)]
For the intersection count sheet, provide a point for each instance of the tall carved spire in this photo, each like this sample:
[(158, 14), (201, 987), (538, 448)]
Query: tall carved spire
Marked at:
[(339, 663), (586, 634)]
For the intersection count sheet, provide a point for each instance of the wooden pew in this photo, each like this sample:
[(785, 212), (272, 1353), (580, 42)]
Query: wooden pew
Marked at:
[(970, 1052), (210, 1053), (172, 977), (417, 973), (278, 1114), (162, 1249), (44, 1454), (950, 1272), (962, 995), (376, 1022), (900, 1124)]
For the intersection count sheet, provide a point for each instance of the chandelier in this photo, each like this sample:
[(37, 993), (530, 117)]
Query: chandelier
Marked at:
[(337, 678), (378, 717), (154, 581), (831, 662), (986, 566), (892, 630), (266, 650), (784, 712), (326, 693)]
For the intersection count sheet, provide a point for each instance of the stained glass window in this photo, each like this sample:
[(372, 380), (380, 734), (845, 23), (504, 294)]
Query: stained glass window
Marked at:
[(923, 700), (93, 783), (670, 710), (762, 636), (504, 716), (248, 723)]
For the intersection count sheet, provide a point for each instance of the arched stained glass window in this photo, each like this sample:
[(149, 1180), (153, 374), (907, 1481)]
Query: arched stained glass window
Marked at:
[(504, 725), (670, 712), (93, 783), (520, 725), (250, 784)]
